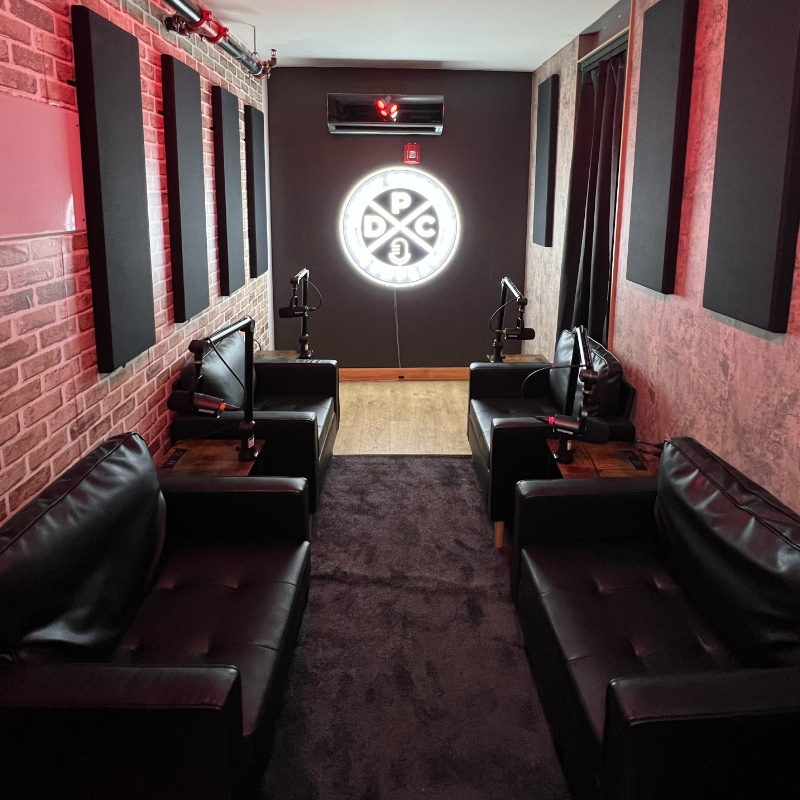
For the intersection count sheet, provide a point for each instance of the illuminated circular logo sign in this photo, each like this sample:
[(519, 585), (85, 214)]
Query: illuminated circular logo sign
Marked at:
[(400, 227)]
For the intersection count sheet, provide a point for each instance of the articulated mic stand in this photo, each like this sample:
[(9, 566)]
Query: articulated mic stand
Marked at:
[(581, 367), (502, 333), (298, 307)]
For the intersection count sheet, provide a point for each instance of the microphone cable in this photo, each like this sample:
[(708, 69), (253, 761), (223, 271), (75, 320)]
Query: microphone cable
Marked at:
[(548, 368)]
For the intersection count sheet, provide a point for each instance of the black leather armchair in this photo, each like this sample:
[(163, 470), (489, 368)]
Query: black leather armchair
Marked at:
[(661, 617), (506, 399), (296, 410), (146, 630)]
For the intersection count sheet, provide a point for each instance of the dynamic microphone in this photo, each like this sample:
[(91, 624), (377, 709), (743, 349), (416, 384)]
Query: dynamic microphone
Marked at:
[(201, 403), (519, 333), (589, 429), (287, 312)]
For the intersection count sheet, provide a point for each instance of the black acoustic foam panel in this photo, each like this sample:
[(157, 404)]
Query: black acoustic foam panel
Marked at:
[(665, 86), (183, 141), (755, 203), (228, 176), (112, 151), (255, 156), (544, 193)]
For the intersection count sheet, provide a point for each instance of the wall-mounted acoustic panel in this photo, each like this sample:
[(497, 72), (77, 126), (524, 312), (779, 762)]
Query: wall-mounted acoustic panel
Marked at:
[(228, 177), (255, 154), (112, 151), (544, 193), (755, 205), (183, 141), (662, 124)]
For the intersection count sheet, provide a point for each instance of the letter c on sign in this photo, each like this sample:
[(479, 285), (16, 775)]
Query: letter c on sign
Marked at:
[(422, 226)]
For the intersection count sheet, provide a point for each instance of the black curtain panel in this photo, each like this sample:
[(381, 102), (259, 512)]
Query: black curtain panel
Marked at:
[(591, 209)]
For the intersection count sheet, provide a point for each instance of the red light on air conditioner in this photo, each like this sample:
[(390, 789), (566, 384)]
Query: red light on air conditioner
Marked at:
[(411, 154), (386, 108)]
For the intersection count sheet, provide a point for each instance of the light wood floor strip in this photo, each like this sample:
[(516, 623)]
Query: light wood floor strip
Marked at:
[(403, 418)]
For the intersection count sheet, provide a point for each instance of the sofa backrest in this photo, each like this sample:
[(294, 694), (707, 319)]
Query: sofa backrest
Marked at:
[(76, 561), (604, 397), (222, 371), (734, 549)]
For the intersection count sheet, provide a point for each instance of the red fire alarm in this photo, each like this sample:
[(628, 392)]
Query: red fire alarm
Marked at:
[(411, 155)]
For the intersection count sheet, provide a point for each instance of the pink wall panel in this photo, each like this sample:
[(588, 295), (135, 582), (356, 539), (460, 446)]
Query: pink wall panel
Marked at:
[(731, 386), (40, 160)]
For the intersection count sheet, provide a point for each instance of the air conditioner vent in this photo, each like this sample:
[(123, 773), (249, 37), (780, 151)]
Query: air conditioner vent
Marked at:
[(386, 115)]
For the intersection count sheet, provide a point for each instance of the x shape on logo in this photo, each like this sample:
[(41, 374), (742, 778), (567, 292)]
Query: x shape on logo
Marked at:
[(400, 225)]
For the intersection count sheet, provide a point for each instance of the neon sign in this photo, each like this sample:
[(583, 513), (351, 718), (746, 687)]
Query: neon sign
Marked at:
[(400, 227)]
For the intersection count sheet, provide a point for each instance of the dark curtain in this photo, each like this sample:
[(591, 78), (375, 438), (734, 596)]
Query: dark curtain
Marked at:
[(591, 210)]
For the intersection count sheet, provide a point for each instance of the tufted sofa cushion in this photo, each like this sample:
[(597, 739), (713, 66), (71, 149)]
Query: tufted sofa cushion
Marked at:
[(615, 610), (76, 562), (603, 399), (736, 551), (222, 604)]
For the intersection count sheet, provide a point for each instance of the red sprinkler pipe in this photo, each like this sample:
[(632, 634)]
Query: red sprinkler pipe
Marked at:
[(192, 18)]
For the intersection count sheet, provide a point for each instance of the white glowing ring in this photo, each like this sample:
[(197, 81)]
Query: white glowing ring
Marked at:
[(421, 247)]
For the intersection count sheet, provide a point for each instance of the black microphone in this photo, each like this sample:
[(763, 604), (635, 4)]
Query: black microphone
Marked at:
[(287, 312), (589, 429), (519, 333), (200, 403)]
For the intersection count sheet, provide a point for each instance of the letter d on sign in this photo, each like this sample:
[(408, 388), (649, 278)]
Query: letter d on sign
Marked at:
[(374, 226)]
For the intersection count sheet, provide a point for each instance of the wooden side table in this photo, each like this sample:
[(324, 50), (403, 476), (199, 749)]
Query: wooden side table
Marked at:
[(609, 460), (207, 457)]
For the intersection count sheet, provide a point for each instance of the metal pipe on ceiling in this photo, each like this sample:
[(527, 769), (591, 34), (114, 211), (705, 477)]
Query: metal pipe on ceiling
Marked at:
[(192, 18)]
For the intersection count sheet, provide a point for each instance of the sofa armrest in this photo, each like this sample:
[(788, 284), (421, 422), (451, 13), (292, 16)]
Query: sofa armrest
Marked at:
[(93, 731), (583, 509), (291, 442), (298, 376), (710, 735), (503, 379), (518, 449), (579, 509), (213, 508)]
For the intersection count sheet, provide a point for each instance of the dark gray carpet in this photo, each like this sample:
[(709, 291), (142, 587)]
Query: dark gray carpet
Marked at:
[(409, 680)]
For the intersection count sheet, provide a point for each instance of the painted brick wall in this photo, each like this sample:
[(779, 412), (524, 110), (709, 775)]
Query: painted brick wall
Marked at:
[(54, 405)]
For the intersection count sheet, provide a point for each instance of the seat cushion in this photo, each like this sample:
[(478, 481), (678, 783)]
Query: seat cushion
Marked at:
[(608, 610), (229, 604)]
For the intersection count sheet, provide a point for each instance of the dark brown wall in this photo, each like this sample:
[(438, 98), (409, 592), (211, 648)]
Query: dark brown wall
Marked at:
[(482, 158)]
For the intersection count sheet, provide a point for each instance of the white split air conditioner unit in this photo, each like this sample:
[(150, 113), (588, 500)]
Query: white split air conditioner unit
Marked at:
[(384, 114)]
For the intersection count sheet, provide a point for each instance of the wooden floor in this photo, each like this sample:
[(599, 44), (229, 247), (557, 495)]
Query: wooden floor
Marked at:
[(403, 418)]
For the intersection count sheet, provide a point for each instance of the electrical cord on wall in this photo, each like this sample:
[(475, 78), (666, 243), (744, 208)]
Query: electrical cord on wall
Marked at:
[(397, 329)]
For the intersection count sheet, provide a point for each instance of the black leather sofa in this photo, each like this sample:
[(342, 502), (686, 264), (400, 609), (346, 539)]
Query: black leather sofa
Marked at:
[(296, 410), (145, 630), (506, 438), (662, 623)]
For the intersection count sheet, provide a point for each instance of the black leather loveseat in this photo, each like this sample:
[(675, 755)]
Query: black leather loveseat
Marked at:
[(296, 410), (145, 634), (506, 399), (662, 623)]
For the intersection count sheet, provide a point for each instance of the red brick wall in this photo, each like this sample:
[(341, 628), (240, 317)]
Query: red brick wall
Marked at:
[(54, 405)]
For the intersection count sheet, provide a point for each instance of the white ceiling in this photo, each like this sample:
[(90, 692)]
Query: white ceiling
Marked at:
[(516, 35)]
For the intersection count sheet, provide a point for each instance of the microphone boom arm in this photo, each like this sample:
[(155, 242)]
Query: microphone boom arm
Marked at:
[(501, 332), (247, 447)]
